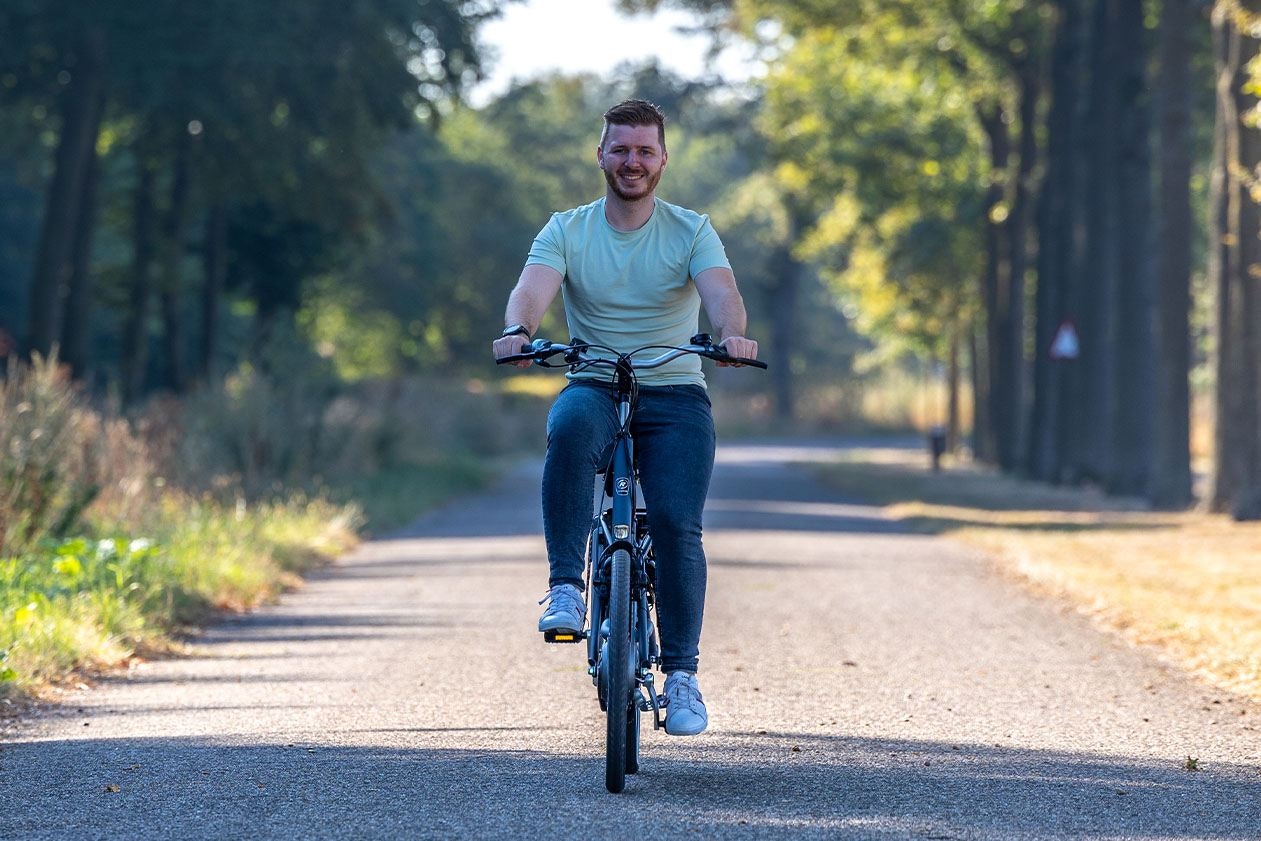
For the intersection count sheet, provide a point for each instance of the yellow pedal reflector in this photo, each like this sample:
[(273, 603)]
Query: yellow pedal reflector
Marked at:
[(563, 636)]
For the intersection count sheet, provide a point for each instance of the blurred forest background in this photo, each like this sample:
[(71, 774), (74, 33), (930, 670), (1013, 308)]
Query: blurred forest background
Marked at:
[(289, 236)]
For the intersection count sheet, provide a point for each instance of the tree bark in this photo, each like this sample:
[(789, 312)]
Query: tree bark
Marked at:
[(786, 297), (995, 287), (1245, 313), (216, 268), (172, 260), (80, 125), (1049, 451), (76, 326), (1223, 198), (136, 323), (1097, 361), (1135, 380), (1012, 411), (1171, 463), (980, 388), (953, 422)]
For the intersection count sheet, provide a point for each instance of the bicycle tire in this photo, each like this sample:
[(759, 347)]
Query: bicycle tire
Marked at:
[(632, 739), (620, 671)]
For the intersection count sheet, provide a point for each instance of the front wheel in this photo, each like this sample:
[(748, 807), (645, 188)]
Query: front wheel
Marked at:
[(620, 669), (632, 740)]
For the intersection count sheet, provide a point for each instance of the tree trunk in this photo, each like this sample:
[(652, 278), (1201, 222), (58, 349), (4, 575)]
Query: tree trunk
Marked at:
[(1097, 361), (1246, 292), (76, 327), (995, 287), (1135, 381), (136, 323), (216, 268), (980, 389), (953, 422), (1052, 406), (783, 336), (80, 125), (1011, 431), (1071, 380), (172, 260), (1171, 463), (1042, 458), (1223, 198)]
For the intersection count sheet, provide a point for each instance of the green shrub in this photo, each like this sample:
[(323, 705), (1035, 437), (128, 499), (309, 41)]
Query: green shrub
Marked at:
[(50, 455)]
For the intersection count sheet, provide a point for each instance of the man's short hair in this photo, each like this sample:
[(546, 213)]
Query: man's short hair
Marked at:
[(635, 112)]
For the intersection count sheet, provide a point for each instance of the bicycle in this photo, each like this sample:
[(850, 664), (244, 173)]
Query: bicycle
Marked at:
[(621, 566)]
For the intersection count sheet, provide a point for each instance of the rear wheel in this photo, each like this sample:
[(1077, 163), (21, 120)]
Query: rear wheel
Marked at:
[(620, 670)]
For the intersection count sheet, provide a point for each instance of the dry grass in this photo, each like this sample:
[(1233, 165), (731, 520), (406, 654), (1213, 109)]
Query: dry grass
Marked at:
[(1187, 583)]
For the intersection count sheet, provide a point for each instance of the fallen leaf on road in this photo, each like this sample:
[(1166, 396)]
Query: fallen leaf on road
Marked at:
[(112, 788)]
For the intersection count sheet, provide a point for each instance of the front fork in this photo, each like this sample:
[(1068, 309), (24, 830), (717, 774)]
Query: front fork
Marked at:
[(615, 529)]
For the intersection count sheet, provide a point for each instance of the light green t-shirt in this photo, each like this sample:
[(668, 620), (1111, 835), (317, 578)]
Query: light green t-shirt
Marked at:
[(627, 289)]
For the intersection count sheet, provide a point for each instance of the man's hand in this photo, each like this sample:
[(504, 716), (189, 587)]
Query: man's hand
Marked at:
[(738, 346), (510, 346)]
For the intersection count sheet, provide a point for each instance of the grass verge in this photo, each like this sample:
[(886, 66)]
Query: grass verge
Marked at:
[(1188, 583), (85, 605)]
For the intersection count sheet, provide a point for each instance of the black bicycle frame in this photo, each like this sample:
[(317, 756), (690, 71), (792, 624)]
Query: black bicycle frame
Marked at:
[(623, 531)]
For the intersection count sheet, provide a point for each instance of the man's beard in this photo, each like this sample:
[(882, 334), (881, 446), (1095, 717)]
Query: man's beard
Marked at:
[(649, 181)]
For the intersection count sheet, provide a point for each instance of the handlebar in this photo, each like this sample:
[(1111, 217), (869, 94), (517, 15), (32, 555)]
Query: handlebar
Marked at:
[(576, 354)]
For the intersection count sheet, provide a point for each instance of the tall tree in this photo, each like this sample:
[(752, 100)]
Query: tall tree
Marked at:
[(1237, 480), (1054, 410), (1244, 318), (1135, 372), (1171, 464), (81, 110)]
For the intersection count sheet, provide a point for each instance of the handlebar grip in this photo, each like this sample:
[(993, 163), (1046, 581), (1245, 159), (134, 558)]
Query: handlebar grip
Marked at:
[(516, 357), (753, 363)]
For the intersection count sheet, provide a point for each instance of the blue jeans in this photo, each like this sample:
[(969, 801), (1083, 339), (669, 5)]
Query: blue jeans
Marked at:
[(674, 448)]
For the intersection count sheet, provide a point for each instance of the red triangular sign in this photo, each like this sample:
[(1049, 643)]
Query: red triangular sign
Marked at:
[(1065, 344)]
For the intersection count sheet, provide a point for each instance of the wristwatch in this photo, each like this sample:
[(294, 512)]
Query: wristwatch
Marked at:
[(516, 330)]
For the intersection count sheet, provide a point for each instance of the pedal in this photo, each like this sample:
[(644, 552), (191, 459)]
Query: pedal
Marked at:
[(562, 636)]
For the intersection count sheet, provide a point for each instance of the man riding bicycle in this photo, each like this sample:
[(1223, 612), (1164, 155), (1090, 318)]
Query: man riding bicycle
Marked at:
[(635, 271)]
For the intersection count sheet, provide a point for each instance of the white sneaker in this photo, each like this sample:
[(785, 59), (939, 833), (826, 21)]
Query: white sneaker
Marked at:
[(685, 709), (566, 609)]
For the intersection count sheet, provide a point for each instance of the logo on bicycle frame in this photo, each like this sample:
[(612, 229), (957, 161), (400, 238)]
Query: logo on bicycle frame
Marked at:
[(623, 486)]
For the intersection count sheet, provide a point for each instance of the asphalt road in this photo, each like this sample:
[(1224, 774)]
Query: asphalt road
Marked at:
[(862, 683)]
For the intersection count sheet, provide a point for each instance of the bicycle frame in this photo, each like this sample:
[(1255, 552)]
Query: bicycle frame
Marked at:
[(622, 524)]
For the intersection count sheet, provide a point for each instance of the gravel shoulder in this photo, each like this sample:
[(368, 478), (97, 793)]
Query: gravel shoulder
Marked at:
[(862, 683)]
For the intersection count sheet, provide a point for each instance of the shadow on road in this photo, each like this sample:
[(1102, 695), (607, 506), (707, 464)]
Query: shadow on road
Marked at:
[(778, 784), (754, 487)]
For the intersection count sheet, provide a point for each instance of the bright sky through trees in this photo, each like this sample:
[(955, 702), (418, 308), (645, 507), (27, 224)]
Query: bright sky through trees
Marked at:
[(537, 37)]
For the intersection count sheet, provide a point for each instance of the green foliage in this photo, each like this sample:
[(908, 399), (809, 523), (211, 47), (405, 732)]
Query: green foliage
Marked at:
[(899, 200), (266, 428), (82, 602), (278, 122)]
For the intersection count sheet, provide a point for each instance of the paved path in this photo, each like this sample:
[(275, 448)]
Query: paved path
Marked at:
[(862, 683)]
